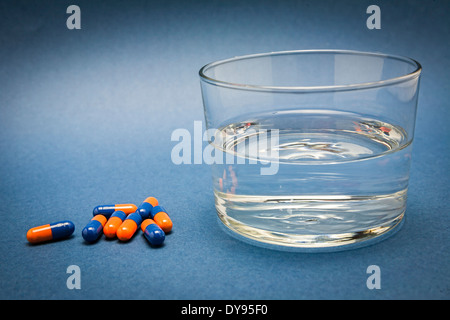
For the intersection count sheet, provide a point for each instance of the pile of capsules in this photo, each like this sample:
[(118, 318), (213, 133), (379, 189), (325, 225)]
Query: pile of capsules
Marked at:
[(119, 220)]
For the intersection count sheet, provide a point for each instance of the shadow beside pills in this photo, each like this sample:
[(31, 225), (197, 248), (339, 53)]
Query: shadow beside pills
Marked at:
[(89, 243), (107, 239), (169, 232)]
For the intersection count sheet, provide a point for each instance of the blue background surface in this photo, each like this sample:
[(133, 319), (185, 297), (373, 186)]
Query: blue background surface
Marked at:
[(86, 118)]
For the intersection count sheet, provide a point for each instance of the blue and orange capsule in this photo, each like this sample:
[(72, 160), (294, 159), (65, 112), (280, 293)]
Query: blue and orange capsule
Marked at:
[(108, 209), (113, 223), (94, 228), (161, 218), (146, 207), (51, 232), (129, 226), (152, 232)]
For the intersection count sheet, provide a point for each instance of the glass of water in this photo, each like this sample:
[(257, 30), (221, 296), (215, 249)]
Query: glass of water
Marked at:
[(311, 150)]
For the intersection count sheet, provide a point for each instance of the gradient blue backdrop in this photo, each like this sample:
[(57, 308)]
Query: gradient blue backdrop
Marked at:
[(86, 118)]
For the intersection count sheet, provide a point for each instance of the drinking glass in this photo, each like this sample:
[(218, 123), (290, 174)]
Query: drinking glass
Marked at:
[(311, 149)]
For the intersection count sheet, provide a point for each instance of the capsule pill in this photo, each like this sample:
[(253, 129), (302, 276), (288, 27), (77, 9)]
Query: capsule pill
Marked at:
[(51, 232)]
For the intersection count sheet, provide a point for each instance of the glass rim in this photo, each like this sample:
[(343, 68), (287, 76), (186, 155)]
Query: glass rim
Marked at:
[(293, 89)]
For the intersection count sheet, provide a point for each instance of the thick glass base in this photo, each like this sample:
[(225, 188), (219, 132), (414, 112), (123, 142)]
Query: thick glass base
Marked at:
[(309, 242)]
